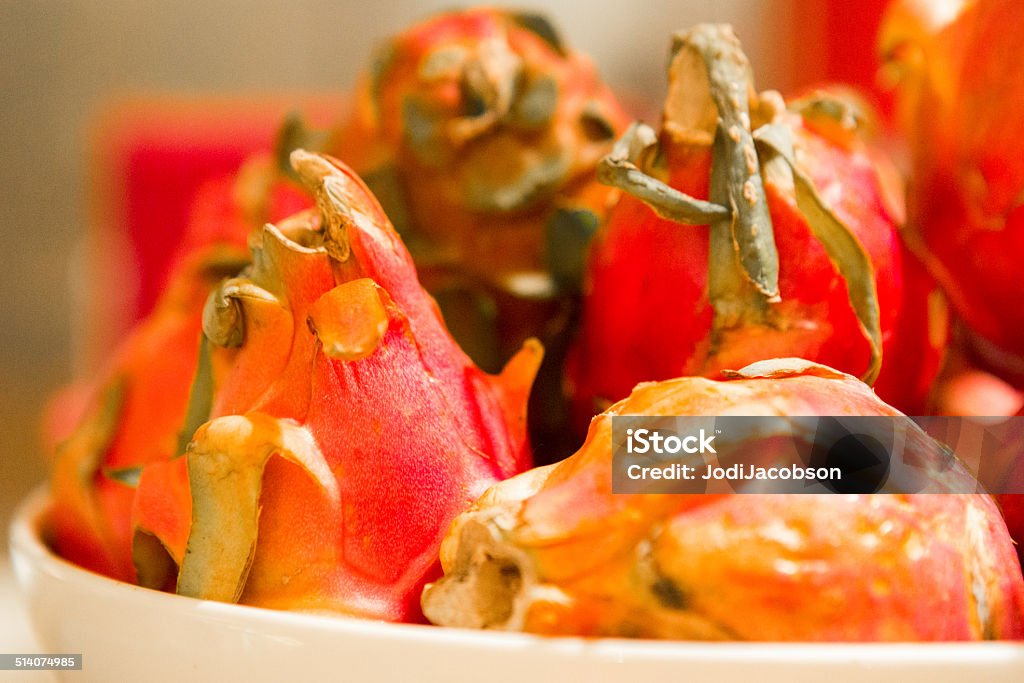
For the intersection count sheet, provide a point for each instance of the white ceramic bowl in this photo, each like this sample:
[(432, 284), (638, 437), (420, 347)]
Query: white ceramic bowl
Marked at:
[(127, 633)]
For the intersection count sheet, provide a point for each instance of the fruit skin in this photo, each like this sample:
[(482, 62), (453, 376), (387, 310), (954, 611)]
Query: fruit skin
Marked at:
[(131, 416), (964, 390), (485, 123), (1012, 507), (554, 551), (653, 309), (961, 104), (1012, 504), (347, 429), (480, 131), (103, 430), (917, 350)]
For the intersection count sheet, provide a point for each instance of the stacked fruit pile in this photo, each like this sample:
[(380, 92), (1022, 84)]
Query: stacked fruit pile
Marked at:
[(303, 422)]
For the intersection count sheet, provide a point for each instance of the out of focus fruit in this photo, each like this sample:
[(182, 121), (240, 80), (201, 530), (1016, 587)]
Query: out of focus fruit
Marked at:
[(961, 100)]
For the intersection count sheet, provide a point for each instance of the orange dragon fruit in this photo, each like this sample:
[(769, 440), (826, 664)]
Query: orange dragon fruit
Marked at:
[(346, 427), (102, 432), (136, 417), (961, 102), (747, 231), (477, 128), (138, 412), (554, 551)]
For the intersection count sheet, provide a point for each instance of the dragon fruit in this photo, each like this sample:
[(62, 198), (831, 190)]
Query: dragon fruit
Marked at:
[(134, 416), (961, 105), (477, 128), (748, 231), (554, 551), (346, 428), (138, 411), (480, 131)]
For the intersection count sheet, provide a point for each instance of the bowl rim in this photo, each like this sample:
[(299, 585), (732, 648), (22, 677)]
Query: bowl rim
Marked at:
[(29, 550)]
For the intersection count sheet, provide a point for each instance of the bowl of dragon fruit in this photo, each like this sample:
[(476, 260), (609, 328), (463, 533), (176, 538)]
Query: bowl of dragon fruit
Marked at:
[(367, 430)]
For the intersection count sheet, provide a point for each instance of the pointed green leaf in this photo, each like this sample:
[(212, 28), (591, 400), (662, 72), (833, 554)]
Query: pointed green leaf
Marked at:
[(569, 233), (293, 134), (540, 26), (129, 476), (842, 246), (737, 183), (621, 168), (200, 397)]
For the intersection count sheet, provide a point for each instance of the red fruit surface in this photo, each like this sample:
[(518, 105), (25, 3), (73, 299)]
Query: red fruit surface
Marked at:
[(133, 416), (482, 122), (1012, 504), (649, 307), (134, 413), (347, 428), (961, 97), (799, 567)]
